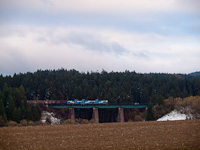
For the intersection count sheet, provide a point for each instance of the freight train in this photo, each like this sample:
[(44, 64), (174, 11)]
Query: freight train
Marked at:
[(69, 102)]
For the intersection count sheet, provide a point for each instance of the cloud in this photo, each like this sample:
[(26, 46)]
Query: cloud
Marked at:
[(156, 16), (12, 60), (111, 7), (92, 42), (88, 6), (32, 48), (191, 6), (90, 35)]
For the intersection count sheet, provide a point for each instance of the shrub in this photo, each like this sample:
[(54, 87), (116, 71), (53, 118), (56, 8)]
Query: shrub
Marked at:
[(92, 121), (138, 118), (36, 123), (30, 122), (84, 121), (150, 114), (12, 123), (158, 111), (69, 121), (23, 122)]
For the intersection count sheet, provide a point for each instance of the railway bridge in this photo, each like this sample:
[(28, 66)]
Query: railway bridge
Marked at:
[(95, 108)]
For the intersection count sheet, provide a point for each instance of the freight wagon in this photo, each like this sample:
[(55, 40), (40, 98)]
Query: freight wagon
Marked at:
[(68, 102)]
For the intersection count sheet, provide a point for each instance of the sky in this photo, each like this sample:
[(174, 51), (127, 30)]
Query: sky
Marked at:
[(161, 36)]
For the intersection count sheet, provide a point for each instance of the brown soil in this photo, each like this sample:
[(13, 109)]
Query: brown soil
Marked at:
[(133, 135)]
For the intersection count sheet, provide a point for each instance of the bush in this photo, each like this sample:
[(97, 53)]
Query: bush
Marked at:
[(92, 121), (84, 121), (158, 111), (138, 118), (36, 123), (69, 121), (12, 123), (150, 114), (23, 122), (19, 125), (30, 122)]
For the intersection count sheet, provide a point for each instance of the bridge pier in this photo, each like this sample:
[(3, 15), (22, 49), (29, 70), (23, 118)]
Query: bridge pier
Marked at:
[(95, 115), (72, 114), (120, 117)]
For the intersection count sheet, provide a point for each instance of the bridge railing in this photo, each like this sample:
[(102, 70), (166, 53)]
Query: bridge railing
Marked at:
[(98, 106)]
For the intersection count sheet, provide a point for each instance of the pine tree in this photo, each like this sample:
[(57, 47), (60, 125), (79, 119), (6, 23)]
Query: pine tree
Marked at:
[(29, 114), (10, 107), (150, 115), (25, 109), (17, 115), (160, 100), (36, 113), (2, 111), (22, 92)]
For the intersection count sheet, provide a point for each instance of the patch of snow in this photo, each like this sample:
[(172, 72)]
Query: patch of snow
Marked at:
[(51, 116), (174, 115)]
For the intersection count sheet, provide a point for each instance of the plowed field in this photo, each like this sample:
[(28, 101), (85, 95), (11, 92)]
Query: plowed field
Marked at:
[(134, 135)]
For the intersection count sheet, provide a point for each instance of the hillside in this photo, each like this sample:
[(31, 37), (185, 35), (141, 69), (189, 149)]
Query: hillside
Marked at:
[(195, 73), (117, 87)]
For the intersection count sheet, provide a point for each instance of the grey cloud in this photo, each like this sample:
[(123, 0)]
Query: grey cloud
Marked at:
[(142, 53), (8, 31), (13, 61), (93, 43), (191, 5), (46, 1), (96, 44)]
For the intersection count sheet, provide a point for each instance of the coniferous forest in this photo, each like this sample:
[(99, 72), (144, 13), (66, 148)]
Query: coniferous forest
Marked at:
[(117, 87)]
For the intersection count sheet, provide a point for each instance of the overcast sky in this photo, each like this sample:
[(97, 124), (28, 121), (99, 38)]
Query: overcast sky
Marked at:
[(90, 35)]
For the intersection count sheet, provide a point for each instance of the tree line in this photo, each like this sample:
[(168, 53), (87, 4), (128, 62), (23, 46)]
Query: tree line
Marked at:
[(14, 106), (118, 87)]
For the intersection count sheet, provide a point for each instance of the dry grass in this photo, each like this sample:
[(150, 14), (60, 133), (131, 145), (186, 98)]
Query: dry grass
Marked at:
[(131, 135)]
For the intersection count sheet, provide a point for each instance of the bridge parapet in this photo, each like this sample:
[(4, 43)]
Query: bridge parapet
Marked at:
[(98, 106)]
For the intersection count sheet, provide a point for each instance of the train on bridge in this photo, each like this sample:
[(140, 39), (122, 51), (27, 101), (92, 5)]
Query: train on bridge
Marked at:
[(83, 102), (69, 102)]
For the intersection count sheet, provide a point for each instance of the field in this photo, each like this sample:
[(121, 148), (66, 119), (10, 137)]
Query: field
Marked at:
[(129, 136)]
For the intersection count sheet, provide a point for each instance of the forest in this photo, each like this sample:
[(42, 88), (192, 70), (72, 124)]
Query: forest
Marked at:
[(117, 87), (122, 87)]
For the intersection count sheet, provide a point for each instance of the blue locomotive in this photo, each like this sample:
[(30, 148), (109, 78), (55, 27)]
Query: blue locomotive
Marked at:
[(85, 102)]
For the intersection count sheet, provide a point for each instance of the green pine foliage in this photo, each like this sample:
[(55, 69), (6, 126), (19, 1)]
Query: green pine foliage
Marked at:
[(14, 106), (16, 115), (149, 114), (10, 107), (160, 100), (130, 87), (2, 111), (118, 87)]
